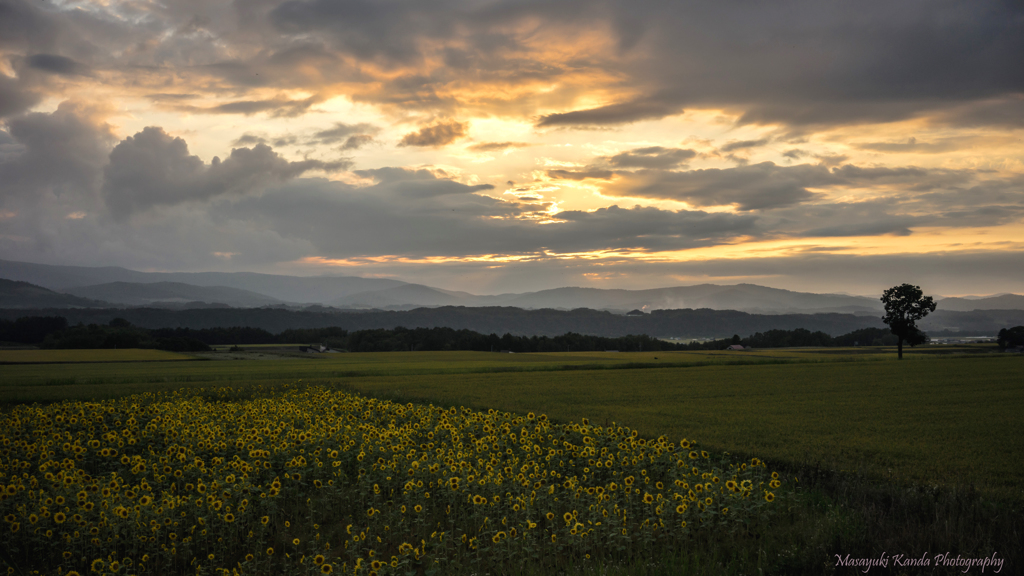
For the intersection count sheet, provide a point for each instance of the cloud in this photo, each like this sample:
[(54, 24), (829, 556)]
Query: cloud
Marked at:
[(56, 64), (353, 136), (58, 154), (153, 168), (910, 145), (585, 174), (15, 97), (357, 141), (743, 144), (655, 157), (436, 135), (621, 113), (248, 139), (755, 187), (276, 107), (496, 146), (410, 213)]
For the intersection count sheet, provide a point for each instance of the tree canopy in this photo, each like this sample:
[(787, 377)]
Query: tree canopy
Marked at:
[(904, 306)]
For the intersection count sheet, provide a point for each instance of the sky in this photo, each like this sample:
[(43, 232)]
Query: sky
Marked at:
[(498, 146)]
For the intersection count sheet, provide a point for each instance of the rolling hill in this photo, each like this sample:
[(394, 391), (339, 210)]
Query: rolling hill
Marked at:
[(1001, 302), (22, 295), (171, 293)]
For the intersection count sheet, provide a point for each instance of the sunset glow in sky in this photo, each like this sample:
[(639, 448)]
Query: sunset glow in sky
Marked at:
[(505, 145)]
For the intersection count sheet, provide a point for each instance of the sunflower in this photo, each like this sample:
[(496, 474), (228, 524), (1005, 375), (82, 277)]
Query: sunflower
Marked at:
[(326, 568), (296, 541), (769, 496), (681, 508), (550, 515), (567, 517), (59, 517), (270, 551), (265, 520), (318, 559)]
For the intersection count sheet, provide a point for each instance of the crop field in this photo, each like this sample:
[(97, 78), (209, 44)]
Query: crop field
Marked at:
[(485, 463), (50, 382)]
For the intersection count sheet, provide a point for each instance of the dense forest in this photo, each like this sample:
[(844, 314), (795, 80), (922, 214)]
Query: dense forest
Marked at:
[(54, 332)]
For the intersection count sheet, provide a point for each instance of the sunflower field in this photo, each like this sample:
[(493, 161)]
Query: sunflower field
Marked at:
[(300, 479)]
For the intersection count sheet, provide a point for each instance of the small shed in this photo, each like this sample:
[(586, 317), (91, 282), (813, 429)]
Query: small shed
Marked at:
[(736, 347)]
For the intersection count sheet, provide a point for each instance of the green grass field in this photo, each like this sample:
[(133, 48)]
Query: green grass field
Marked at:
[(950, 420), (919, 455)]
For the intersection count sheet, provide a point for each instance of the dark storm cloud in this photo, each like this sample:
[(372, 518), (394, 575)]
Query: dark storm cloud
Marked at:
[(436, 135), (153, 168), (56, 64)]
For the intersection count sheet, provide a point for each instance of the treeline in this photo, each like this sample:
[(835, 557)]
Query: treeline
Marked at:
[(54, 332), (803, 338), (684, 323)]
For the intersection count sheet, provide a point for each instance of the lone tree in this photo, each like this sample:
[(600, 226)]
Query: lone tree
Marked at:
[(905, 305)]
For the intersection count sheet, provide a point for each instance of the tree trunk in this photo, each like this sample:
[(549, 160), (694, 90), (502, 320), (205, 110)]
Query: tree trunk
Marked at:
[(899, 348)]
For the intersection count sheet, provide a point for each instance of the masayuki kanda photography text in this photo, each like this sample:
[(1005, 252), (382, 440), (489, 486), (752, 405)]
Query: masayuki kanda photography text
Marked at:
[(926, 560)]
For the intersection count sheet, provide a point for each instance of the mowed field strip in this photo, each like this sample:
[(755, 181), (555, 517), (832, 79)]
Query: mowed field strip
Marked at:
[(951, 421)]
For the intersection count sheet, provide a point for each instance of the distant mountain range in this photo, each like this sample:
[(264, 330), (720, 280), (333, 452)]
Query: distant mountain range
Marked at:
[(294, 289), (21, 295), (1001, 302), (173, 294), (102, 287)]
